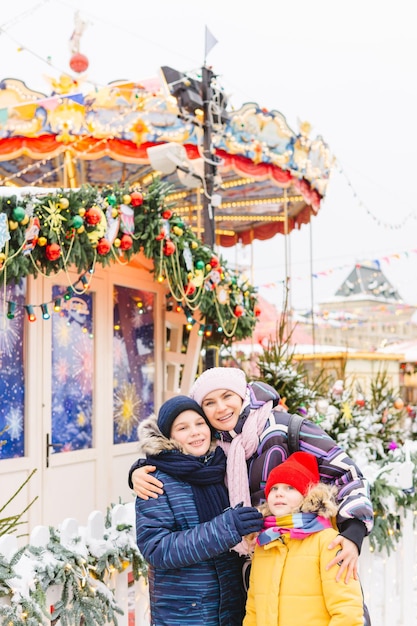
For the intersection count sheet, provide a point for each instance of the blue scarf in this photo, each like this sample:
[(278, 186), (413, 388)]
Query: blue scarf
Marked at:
[(205, 475), (297, 526)]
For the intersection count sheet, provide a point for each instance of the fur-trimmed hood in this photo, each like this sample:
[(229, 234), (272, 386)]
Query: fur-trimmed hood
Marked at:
[(320, 499), (152, 442)]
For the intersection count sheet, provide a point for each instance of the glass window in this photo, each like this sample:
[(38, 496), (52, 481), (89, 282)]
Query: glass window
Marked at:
[(12, 380), (72, 371), (133, 361)]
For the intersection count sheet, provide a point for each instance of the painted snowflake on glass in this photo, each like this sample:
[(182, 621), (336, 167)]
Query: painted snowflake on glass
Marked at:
[(126, 409)]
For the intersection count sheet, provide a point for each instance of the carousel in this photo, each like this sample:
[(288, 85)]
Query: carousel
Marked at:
[(270, 178), (109, 288)]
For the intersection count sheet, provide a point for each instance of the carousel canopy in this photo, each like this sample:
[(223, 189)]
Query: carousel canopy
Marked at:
[(271, 179)]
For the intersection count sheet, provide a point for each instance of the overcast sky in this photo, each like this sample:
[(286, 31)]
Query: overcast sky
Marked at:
[(349, 68)]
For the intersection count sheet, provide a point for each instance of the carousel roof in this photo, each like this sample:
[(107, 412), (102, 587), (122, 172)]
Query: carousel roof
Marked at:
[(272, 179)]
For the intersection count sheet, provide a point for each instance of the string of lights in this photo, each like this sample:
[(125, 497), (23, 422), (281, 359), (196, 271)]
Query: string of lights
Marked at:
[(205, 330), (12, 306), (37, 164)]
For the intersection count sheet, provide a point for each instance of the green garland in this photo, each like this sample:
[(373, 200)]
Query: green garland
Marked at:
[(52, 232)]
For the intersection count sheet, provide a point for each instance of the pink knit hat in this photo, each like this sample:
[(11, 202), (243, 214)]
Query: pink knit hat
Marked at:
[(300, 471), (230, 378)]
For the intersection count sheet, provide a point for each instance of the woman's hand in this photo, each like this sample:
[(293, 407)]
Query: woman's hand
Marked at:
[(346, 558), (145, 485)]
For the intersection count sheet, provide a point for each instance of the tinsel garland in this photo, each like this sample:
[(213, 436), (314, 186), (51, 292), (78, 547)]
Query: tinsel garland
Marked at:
[(48, 233)]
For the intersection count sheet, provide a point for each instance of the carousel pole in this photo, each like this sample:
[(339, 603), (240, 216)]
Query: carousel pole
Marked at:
[(210, 169)]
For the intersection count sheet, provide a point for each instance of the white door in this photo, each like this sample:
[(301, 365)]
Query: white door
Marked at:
[(72, 382), (90, 373), (99, 381)]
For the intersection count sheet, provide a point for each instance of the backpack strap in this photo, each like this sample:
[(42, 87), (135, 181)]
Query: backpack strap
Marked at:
[(294, 427)]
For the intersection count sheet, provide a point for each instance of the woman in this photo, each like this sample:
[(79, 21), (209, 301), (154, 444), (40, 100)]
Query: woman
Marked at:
[(297, 531), (254, 436), (186, 535)]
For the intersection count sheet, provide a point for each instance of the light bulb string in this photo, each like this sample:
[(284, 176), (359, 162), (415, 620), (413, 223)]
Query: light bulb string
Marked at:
[(63, 149), (8, 258), (181, 295), (222, 319), (72, 290), (117, 256), (176, 270), (64, 260)]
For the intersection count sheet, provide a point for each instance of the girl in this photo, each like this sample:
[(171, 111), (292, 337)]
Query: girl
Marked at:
[(187, 533), (289, 581)]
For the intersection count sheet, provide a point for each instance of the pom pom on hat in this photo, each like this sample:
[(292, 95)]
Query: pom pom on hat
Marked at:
[(300, 471), (172, 408), (214, 378)]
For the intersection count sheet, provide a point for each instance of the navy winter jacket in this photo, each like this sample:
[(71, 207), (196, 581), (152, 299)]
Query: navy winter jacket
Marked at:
[(194, 577)]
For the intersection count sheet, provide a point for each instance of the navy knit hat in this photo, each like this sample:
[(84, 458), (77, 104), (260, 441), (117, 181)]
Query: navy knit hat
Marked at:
[(172, 408)]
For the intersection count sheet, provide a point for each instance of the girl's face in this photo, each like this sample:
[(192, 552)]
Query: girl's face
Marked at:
[(284, 499), (222, 408), (192, 432)]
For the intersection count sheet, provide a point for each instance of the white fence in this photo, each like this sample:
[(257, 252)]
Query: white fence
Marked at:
[(389, 582), (131, 596)]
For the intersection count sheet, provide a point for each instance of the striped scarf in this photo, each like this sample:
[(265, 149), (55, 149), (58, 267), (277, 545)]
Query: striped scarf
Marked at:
[(297, 526)]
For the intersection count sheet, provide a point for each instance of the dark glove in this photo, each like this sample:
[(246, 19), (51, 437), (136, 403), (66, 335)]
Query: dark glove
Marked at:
[(247, 520)]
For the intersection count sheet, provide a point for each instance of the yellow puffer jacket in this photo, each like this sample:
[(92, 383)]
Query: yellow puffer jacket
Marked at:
[(289, 585)]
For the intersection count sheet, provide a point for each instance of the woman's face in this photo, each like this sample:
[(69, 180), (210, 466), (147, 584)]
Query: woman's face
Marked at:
[(192, 432), (222, 408), (284, 499)]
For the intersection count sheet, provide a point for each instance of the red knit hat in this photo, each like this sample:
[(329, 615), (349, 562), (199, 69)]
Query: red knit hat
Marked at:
[(300, 471)]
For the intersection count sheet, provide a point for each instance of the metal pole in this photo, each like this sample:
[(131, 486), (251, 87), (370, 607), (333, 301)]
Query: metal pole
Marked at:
[(313, 327), (209, 236), (287, 266)]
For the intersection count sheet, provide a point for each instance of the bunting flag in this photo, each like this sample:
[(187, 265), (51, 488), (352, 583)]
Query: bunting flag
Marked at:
[(397, 256), (210, 42)]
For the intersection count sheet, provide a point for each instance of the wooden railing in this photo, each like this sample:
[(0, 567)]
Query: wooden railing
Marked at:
[(389, 581)]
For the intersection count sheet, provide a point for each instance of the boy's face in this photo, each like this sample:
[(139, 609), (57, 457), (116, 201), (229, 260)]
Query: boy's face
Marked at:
[(284, 499), (222, 408), (192, 432)]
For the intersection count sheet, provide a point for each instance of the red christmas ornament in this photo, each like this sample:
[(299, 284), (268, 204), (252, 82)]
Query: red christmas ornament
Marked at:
[(360, 402), (166, 214), (189, 289), (53, 252), (160, 236), (257, 310), (78, 62), (126, 242), (103, 246), (136, 198), (169, 248), (214, 261), (239, 310), (93, 216)]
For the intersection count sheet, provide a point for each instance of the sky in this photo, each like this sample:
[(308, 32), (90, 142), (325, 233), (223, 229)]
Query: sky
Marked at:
[(348, 68)]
